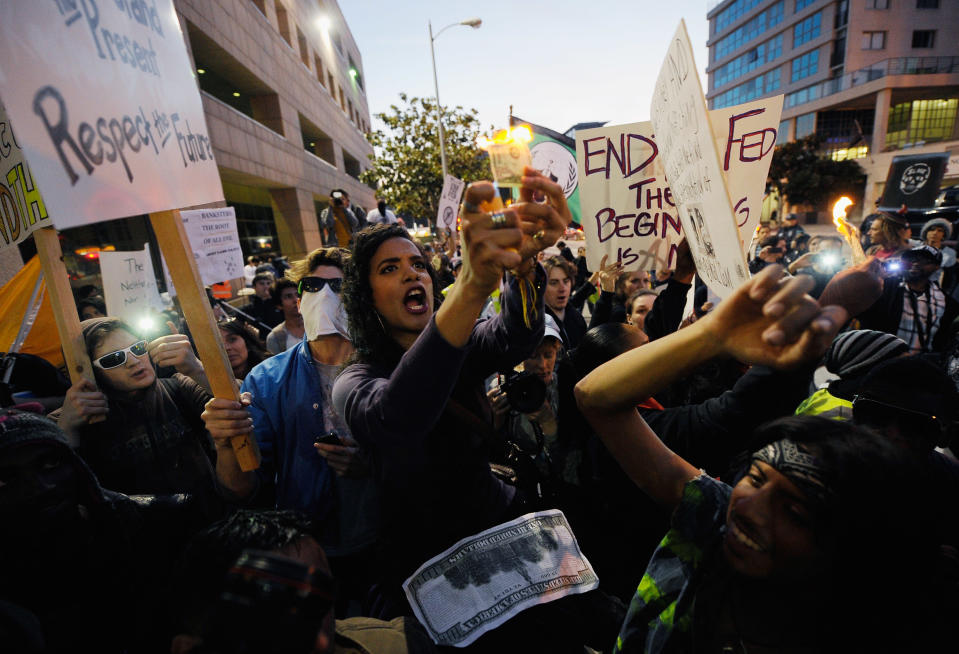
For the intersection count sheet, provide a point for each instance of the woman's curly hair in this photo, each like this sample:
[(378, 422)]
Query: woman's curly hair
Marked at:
[(371, 343)]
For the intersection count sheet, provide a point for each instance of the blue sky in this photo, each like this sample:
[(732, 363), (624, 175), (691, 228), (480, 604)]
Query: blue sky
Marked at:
[(558, 63)]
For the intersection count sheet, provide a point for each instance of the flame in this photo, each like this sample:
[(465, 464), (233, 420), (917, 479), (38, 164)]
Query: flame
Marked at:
[(839, 210), (516, 134)]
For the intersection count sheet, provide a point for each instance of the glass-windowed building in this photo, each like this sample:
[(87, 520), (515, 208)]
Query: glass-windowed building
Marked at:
[(872, 78)]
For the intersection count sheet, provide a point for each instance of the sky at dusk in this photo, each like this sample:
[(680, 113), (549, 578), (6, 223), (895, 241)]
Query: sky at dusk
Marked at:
[(558, 63)]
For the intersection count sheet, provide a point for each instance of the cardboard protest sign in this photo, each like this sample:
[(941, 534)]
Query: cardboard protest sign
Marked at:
[(449, 202), (129, 286), (630, 212), (627, 207), (106, 107), (745, 136), (22, 209), (685, 140)]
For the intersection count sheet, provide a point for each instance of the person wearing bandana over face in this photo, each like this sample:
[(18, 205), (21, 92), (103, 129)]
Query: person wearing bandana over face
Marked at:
[(789, 558), (309, 456)]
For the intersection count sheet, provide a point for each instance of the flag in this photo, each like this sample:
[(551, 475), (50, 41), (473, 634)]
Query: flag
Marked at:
[(555, 155)]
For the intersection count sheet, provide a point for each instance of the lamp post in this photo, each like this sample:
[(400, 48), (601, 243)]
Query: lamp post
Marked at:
[(471, 22)]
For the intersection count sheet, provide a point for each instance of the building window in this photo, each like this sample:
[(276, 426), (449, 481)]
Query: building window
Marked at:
[(805, 125), (924, 38), (351, 165), (304, 48), (320, 75), (757, 87), (752, 59), (927, 4), (877, 4), (732, 13), (316, 141), (921, 121), (802, 4), (748, 31), (782, 134), (807, 29), (261, 5), (805, 66), (283, 23), (873, 40)]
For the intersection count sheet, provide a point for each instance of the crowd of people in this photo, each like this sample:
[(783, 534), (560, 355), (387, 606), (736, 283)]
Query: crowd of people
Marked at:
[(403, 397)]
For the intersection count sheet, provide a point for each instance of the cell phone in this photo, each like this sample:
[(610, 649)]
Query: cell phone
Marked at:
[(775, 251), (892, 267), (329, 438)]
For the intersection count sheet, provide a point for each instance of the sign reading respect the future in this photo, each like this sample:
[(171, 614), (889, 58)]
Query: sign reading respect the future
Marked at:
[(685, 139), (129, 284), (106, 107), (630, 214), (22, 209)]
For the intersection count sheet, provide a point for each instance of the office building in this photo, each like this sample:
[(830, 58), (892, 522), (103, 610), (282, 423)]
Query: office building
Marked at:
[(873, 78)]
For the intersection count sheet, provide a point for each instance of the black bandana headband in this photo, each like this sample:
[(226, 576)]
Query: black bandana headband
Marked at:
[(798, 465)]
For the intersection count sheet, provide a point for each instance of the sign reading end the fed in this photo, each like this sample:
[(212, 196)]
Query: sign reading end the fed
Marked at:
[(106, 107)]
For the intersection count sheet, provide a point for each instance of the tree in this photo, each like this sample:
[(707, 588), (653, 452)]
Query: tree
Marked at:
[(804, 176), (406, 168)]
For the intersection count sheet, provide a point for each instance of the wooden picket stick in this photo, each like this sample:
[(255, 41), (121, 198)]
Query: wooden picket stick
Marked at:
[(64, 308), (175, 245)]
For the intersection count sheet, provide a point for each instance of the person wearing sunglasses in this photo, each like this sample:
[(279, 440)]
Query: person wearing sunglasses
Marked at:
[(151, 439), (309, 455)]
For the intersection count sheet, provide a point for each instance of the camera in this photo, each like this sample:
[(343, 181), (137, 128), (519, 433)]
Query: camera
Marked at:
[(827, 259), (337, 199), (892, 267), (525, 391)]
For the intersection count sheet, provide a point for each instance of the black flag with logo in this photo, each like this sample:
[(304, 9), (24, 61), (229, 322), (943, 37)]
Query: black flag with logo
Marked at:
[(913, 180)]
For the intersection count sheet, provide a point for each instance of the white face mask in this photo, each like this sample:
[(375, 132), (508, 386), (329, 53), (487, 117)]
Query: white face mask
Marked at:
[(323, 314)]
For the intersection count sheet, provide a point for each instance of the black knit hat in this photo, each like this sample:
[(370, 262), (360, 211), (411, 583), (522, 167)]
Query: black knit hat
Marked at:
[(913, 383), (855, 352)]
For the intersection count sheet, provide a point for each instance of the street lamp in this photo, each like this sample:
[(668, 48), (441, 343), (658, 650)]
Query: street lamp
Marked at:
[(471, 22)]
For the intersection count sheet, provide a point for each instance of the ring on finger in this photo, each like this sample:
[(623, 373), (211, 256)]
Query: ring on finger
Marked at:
[(538, 236), (498, 219)]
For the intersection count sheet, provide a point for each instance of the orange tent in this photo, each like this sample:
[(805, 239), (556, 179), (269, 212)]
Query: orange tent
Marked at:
[(42, 339)]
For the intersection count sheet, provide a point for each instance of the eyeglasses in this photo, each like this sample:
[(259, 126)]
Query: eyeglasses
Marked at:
[(873, 412), (316, 284), (119, 357)]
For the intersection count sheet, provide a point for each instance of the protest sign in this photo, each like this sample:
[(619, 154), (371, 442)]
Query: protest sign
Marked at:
[(630, 211), (22, 209), (106, 108), (215, 243), (129, 285), (627, 207), (685, 140), (449, 203), (745, 136)]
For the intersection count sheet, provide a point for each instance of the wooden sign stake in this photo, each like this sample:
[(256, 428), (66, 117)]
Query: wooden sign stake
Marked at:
[(173, 241), (64, 308)]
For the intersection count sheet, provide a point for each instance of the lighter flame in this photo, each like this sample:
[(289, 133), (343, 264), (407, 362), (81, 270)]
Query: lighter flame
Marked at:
[(839, 209), (517, 134)]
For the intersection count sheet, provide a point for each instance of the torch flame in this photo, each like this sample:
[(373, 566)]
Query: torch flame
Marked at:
[(839, 209), (517, 134), (847, 229)]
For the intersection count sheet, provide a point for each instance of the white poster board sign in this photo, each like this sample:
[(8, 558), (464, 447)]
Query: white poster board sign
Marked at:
[(129, 285), (22, 209), (215, 243), (449, 202), (627, 208), (745, 136), (685, 141), (629, 212), (106, 107)]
